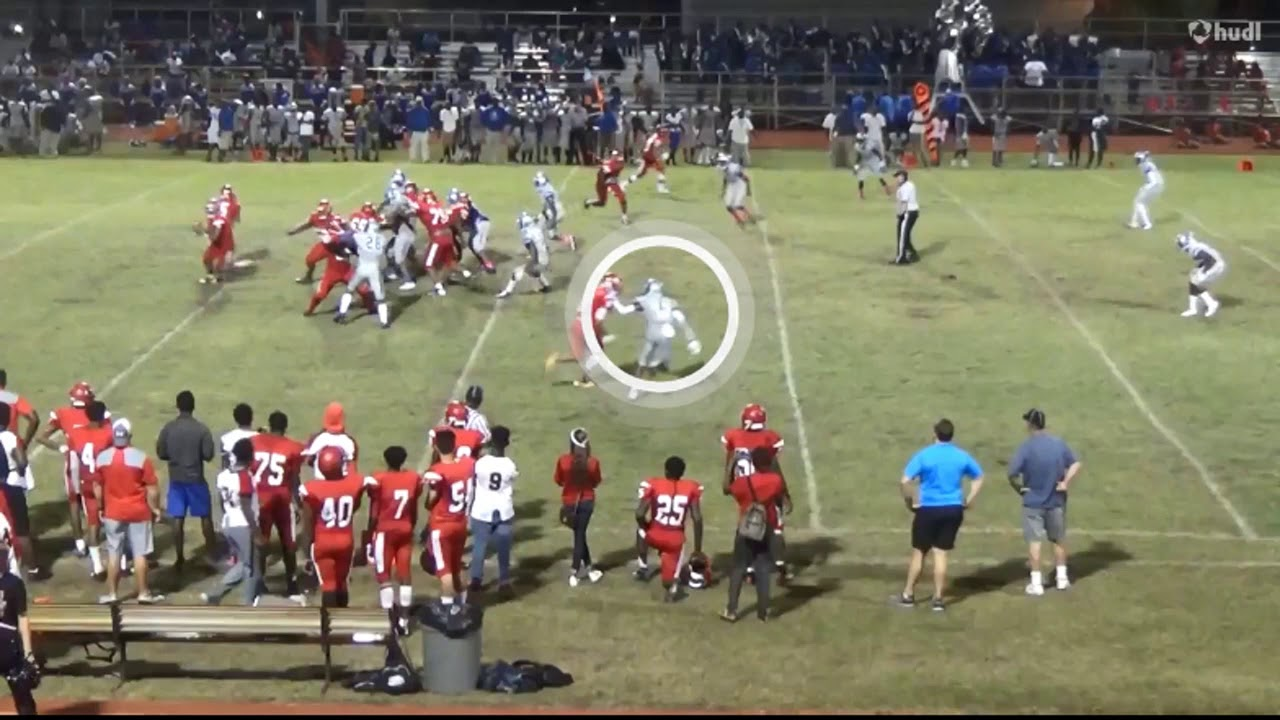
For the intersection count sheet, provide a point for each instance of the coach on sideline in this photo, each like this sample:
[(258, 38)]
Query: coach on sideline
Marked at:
[(938, 507), (186, 444), (1041, 469)]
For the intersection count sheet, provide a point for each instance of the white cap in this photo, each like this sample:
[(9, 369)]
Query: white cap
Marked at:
[(121, 431)]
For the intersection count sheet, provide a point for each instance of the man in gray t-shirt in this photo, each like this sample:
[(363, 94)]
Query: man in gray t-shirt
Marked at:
[(1040, 471)]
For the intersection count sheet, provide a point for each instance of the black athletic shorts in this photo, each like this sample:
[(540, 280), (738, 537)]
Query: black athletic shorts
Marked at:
[(936, 528), (16, 497)]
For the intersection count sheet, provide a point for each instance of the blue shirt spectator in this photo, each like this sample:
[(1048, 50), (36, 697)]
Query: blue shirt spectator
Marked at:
[(608, 122), (941, 469), (494, 118), (226, 117), (846, 122), (281, 95), (418, 118), (887, 109)]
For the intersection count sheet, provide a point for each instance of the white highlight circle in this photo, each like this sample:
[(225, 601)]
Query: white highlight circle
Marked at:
[(663, 387)]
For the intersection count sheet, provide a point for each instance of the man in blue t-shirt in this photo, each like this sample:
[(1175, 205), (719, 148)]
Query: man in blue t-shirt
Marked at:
[(1040, 471), (938, 504)]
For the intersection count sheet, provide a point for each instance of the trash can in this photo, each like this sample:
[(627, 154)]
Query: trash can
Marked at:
[(450, 648)]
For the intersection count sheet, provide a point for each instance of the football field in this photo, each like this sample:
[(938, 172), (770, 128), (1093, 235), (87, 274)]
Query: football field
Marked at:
[(1031, 292)]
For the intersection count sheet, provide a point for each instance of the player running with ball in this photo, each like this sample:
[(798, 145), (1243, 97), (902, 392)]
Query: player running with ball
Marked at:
[(368, 244), (662, 316)]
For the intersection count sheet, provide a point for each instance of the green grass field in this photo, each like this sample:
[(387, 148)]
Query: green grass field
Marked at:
[(1031, 292)]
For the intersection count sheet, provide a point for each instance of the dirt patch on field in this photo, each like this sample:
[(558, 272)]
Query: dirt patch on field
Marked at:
[(817, 140), (175, 708)]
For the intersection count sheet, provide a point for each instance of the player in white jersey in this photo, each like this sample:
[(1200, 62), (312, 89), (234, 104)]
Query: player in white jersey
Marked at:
[(243, 415), (400, 215), (870, 163), (534, 240), (369, 246), (552, 210), (395, 187), (662, 317), (1209, 269), (736, 188), (493, 509), (873, 123), (1152, 187)]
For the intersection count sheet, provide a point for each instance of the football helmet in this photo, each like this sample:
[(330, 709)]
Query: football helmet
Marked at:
[(540, 179), (1139, 156), (81, 394), (753, 417), (611, 281), (455, 415), (524, 221), (698, 572), (227, 190), (330, 462), (454, 196), (1184, 240), (324, 207)]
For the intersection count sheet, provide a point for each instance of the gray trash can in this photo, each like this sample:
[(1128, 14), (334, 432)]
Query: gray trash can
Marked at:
[(451, 650)]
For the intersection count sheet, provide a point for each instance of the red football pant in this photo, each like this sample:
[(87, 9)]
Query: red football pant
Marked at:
[(670, 549), (215, 256), (578, 341), (604, 189), (447, 542), (392, 554), (334, 275), (651, 162), (275, 510), (441, 253), (317, 253), (333, 566)]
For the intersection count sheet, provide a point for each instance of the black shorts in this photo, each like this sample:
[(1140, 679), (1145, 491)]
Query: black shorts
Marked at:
[(936, 528), (16, 497)]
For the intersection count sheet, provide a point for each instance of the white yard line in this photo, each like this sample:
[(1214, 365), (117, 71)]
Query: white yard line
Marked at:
[(82, 218), (1194, 220), (891, 562), (168, 337), (481, 339), (789, 373), (1211, 484)]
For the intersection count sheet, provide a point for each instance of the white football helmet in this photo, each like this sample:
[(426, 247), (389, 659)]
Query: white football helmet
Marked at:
[(1185, 239), (540, 179), (524, 220), (1139, 156)]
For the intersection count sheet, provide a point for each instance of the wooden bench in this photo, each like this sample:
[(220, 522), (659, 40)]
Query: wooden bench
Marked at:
[(115, 627)]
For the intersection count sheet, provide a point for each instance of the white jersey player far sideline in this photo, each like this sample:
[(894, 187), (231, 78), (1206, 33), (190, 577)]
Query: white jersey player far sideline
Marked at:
[(370, 248), (1208, 270), (1152, 187)]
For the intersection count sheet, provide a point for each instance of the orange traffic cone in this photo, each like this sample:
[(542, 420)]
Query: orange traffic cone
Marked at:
[(908, 160), (1245, 165)]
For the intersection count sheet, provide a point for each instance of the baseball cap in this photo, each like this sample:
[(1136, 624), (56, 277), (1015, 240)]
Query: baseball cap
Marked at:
[(121, 431), (334, 417), (1035, 418)]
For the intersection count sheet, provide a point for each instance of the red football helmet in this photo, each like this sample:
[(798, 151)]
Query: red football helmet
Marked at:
[(455, 415), (368, 207), (324, 207), (81, 394), (611, 281), (227, 191), (753, 417), (429, 195), (330, 462)]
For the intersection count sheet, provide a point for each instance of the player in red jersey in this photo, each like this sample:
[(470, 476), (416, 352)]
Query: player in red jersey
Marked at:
[(84, 443), (665, 504), (217, 230), (448, 497), (739, 444), (393, 514), (655, 150), (276, 471), (337, 271), (607, 184), (604, 299), (441, 222), (64, 420), (228, 196), (328, 514), (321, 219), (468, 442)]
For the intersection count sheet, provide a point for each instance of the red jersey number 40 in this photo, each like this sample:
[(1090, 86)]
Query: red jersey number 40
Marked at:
[(337, 512)]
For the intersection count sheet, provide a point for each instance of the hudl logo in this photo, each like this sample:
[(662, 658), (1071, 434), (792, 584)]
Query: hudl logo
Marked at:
[(1202, 31)]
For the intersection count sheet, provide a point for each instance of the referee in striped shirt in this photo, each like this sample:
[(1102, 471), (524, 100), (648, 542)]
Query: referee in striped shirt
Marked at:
[(908, 214), (476, 419)]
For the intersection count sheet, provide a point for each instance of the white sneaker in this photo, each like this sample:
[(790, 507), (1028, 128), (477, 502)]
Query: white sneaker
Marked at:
[(1063, 583), (573, 580), (1190, 313), (1148, 226), (466, 274), (300, 599), (595, 575), (408, 285), (106, 599), (1133, 226), (503, 295), (1035, 589), (1212, 310), (439, 290)]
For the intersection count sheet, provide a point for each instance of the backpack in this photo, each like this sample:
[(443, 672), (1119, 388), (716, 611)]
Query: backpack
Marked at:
[(754, 524), (396, 676)]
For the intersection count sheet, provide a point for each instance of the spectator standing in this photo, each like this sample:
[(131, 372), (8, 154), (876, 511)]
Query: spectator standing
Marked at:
[(17, 659), (495, 120), (186, 444), (760, 495), (578, 475), (908, 213), (493, 510), (14, 474), (1041, 470), (51, 121), (226, 129), (128, 494), (239, 526), (938, 507), (374, 120), (577, 134), (418, 123), (607, 132), (448, 132), (306, 134), (740, 128)]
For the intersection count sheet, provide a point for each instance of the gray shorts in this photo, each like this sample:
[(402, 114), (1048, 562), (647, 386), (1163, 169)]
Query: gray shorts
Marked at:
[(655, 354), (138, 535), (1040, 524)]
